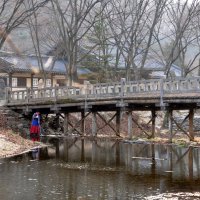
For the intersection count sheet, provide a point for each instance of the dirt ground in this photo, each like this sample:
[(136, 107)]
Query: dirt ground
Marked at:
[(12, 144)]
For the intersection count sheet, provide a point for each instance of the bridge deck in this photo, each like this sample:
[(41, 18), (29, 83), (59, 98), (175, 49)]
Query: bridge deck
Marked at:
[(182, 93), (151, 95)]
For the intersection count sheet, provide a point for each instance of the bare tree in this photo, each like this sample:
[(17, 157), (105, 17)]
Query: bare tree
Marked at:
[(154, 17), (190, 57), (132, 25), (99, 43), (179, 33), (13, 13), (73, 23), (34, 32), (126, 24)]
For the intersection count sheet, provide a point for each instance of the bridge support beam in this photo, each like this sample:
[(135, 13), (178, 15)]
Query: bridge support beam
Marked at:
[(66, 125), (118, 122), (57, 120), (94, 124), (191, 119), (83, 122), (130, 125), (153, 115)]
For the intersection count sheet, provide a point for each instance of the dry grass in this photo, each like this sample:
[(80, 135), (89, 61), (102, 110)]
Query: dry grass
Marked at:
[(13, 144)]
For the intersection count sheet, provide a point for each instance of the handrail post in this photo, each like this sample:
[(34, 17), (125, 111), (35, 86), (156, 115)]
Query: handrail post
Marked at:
[(28, 91), (56, 93), (161, 92), (123, 82)]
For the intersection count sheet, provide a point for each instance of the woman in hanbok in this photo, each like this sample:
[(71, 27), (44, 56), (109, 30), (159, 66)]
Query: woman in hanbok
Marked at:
[(35, 127)]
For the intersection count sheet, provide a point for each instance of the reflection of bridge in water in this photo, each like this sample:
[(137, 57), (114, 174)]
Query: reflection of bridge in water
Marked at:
[(103, 166), (146, 95), (139, 159)]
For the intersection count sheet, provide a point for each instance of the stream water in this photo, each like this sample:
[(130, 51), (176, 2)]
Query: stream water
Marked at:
[(76, 168)]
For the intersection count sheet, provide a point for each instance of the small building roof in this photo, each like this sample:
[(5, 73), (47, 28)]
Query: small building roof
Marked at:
[(29, 63)]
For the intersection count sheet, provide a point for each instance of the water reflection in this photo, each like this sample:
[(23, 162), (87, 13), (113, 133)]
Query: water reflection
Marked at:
[(177, 162), (77, 168), (35, 153), (174, 161)]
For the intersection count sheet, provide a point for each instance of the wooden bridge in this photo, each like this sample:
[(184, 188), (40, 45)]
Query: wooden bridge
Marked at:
[(123, 96)]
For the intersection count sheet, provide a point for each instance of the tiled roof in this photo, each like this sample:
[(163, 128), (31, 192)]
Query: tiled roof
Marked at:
[(30, 63)]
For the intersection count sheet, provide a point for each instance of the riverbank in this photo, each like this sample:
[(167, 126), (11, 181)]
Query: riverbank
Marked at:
[(13, 144)]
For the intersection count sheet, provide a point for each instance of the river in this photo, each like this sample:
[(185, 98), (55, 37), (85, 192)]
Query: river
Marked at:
[(76, 168)]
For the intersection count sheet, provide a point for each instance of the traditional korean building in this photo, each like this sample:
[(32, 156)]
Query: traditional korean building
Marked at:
[(21, 72)]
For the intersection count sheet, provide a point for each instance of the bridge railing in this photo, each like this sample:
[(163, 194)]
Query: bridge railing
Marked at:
[(102, 90), (181, 85)]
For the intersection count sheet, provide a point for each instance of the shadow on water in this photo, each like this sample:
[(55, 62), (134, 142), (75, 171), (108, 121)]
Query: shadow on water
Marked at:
[(75, 168)]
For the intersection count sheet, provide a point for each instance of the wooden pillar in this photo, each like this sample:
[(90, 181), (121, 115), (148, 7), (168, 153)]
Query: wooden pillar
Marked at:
[(66, 125), (57, 121), (130, 125), (153, 115), (191, 118), (118, 122), (83, 122), (170, 125), (94, 123)]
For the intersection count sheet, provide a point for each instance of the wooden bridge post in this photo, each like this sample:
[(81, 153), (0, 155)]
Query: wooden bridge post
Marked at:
[(66, 125), (130, 125), (94, 123), (118, 122), (153, 113), (83, 122), (57, 119), (191, 121), (191, 118), (170, 125)]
